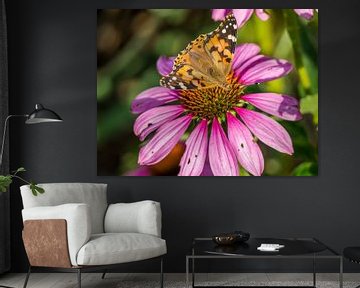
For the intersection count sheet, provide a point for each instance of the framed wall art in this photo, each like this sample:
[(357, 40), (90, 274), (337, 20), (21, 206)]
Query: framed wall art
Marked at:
[(221, 92)]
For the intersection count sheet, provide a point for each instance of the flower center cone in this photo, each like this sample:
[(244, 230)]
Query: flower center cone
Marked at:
[(216, 101)]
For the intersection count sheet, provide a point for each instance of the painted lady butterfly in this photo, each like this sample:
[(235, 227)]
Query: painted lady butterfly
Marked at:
[(206, 61)]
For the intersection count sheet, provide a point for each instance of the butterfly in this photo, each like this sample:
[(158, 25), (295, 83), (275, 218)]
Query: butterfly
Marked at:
[(206, 61)]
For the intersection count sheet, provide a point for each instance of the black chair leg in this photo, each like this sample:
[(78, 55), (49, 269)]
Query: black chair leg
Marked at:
[(79, 277), (161, 273), (27, 277), (103, 275)]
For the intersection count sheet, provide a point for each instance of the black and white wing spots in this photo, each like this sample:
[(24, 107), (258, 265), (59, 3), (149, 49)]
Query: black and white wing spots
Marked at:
[(173, 82)]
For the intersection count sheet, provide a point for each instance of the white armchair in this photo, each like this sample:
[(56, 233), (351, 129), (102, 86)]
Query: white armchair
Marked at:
[(72, 228)]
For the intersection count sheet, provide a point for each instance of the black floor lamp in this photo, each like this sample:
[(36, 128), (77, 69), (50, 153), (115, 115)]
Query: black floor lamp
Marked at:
[(39, 115)]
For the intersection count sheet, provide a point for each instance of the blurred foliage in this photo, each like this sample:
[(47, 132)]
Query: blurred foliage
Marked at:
[(6, 180), (129, 43)]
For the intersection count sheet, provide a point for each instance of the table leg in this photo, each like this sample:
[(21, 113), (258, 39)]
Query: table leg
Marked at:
[(193, 268), (314, 271), (193, 272), (187, 272), (341, 273)]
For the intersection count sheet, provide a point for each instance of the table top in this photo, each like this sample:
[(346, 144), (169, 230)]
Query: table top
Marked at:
[(293, 247)]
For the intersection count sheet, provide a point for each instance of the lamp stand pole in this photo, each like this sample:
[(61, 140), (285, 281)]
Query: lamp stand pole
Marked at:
[(4, 134)]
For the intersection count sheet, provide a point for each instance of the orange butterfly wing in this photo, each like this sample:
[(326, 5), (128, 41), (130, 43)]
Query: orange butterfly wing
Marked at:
[(221, 45), (206, 61)]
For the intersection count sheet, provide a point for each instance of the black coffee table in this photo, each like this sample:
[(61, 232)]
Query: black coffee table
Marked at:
[(295, 248)]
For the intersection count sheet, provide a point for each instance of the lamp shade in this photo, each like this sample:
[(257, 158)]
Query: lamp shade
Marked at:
[(42, 115)]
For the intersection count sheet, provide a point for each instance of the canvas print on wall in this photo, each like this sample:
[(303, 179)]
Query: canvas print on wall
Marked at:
[(222, 92)]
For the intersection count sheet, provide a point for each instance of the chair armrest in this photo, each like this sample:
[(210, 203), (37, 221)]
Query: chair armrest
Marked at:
[(52, 250), (78, 223), (138, 217)]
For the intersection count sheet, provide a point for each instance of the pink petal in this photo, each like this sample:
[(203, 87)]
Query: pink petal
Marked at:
[(267, 130), (163, 141), (193, 160), (140, 171), (219, 14), (151, 98), (239, 70), (262, 15), (152, 119), (164, 65), (305, 13), (242, 16), (222, 158), (260, 69), (246, 149), (282, 106), (243, 53), (207, 169)]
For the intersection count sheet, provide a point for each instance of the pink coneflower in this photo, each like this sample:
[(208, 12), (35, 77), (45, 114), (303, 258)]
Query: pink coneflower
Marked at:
[(243, 15), (305, 13), (206, 112)]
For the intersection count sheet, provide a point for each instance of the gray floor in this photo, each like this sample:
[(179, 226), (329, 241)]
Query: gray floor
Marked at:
[(120, 280)]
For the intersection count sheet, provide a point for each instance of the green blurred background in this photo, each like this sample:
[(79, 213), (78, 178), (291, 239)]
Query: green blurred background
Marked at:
[(128, 45)]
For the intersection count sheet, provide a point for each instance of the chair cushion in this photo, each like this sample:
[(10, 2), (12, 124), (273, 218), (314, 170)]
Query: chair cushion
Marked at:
[(114, 248), (138, 217), (352, 253)]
